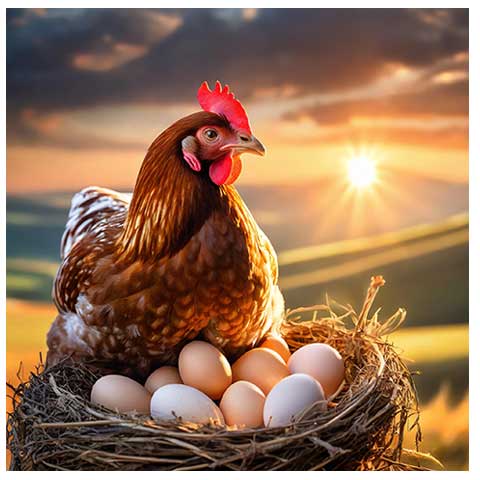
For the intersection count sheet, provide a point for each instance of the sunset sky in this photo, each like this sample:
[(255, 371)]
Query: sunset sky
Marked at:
[(88, 90)]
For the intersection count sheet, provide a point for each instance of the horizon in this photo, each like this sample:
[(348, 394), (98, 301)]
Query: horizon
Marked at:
[(240, 184)]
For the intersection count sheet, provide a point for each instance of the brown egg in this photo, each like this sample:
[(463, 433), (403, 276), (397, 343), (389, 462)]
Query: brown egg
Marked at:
[(204, 367), (322, 362), (262, 367), (121, 393), (162, 376), (242, 405), (279, 345)]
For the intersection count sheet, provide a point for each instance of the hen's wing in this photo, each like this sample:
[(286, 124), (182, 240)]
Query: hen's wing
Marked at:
[(89, 207), (94, 219)]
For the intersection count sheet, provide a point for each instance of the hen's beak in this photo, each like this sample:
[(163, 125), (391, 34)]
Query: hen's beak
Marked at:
[(246, 143)]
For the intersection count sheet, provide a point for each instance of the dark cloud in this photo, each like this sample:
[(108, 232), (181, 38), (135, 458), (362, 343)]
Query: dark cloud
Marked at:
[(438, 100), (314, 50), (41, 53), (447, 102), (22, 134)]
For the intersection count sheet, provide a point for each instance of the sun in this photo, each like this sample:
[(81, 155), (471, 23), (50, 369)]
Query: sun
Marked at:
[(362, 171)]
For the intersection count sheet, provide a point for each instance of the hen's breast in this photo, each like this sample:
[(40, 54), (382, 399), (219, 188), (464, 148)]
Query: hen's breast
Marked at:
[(219, 284), (238, 286)]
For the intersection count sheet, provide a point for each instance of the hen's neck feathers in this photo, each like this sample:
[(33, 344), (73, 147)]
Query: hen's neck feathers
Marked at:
[(170, 202)]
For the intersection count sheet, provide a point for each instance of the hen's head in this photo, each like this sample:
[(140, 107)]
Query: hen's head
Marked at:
[(221, 137)]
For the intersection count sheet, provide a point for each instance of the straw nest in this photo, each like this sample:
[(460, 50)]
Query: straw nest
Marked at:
[(54, 425)]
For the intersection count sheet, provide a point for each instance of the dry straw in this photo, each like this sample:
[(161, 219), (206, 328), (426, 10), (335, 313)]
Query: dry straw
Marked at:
[(54, 425)]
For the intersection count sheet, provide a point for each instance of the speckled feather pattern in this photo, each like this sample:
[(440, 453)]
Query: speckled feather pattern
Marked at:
[(140, 277)]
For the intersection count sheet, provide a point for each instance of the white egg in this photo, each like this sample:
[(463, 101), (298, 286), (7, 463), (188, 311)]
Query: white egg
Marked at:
[(322, 362), (289, 397), (178, 401)]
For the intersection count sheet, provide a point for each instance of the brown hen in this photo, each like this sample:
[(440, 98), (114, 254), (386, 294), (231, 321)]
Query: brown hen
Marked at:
[(181, 258)]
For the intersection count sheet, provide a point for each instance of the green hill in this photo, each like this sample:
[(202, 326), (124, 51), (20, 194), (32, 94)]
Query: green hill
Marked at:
[(426, 269)]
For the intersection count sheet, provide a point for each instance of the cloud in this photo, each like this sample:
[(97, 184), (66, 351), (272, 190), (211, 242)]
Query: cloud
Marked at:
[(118, 54), (443, 134), (19, 17), (450, 76), (313, 49), (35, 128), (109, 52), (47, 124), (70, 59), (436, 116), (53, 60), (442, 99)]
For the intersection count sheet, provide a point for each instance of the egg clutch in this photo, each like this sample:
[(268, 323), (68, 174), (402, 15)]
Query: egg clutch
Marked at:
[(267, 386)]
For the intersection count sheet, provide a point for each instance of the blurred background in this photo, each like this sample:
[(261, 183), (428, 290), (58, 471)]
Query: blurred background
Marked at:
[(365, 117)]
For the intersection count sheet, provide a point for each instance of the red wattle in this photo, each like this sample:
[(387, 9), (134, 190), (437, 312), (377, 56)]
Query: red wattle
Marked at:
[(225, 170)]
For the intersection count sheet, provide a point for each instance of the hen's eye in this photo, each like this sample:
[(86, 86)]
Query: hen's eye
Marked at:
[(211, 134)]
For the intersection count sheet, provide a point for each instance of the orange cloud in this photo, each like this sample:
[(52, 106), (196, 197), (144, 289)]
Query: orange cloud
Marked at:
[(120, 54), (249, 14), (450, 76), (109, 53), (42, 123)]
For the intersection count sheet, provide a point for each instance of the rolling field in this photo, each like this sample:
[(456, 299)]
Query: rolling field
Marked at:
[(425, 267)]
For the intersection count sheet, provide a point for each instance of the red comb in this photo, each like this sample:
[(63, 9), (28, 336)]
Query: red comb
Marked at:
[(223, 102)]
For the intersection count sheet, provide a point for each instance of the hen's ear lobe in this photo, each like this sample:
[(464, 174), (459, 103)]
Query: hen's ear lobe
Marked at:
[(189, 150)]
